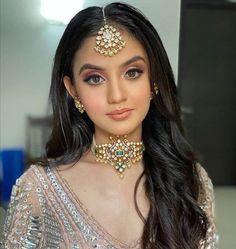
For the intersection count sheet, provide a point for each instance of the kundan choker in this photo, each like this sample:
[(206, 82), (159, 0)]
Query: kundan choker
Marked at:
[(119, 153)]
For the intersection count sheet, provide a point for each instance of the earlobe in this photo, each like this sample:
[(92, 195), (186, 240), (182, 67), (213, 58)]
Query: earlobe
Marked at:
[(69, 86)]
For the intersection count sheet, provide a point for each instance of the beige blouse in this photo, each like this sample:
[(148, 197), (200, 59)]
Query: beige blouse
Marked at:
[(44, 213)]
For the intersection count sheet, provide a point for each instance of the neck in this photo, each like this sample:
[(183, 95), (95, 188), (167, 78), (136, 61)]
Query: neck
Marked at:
[(102, 137)]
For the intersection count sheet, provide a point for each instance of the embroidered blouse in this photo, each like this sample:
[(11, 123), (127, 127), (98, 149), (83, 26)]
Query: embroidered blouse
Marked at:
[(43, 213)]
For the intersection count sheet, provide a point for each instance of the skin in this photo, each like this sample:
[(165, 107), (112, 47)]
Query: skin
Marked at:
[(117, 84), (105, 84)]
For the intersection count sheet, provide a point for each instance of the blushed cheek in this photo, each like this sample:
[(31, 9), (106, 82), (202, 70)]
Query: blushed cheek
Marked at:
[(144, 93), (94, 104)]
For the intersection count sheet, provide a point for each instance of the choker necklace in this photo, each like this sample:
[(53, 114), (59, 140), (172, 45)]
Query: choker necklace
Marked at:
[(119, 153)]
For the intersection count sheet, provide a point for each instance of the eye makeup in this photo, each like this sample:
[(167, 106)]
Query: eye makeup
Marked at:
[(133, 73), (93, 79), (130, 70)]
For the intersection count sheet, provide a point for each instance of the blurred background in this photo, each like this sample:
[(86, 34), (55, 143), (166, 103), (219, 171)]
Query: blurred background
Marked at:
[(200, 39)]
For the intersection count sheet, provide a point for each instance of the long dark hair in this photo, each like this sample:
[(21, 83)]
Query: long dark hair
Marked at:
[(175, 219)]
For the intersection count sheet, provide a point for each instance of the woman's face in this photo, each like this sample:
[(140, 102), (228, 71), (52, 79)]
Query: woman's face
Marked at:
[(115, 91)]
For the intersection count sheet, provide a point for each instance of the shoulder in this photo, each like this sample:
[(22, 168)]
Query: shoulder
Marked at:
[(26, 185), (24, 211), (207, 203), (204, 177), (201, 170), (206, 193), (29, 177)]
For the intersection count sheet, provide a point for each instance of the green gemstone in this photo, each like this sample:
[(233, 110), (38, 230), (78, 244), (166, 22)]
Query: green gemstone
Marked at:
[(119, 153)]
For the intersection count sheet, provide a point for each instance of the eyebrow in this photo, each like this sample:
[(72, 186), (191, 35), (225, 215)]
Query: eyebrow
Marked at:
[(126, 63)]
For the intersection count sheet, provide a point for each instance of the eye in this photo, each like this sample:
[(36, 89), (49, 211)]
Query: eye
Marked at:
[(133, 73), (94, 79)]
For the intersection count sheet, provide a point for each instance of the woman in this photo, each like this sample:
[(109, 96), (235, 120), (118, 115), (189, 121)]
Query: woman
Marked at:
[(118, 172)]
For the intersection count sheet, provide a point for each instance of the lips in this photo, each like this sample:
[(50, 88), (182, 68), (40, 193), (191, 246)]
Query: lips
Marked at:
[(117, 112), (120, 114)]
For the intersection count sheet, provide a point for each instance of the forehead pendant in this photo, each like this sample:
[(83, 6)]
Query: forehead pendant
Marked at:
[(108, 40)]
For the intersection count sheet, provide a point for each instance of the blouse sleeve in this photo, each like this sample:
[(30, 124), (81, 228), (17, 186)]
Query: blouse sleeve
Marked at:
[(207, 202), (23, 224)]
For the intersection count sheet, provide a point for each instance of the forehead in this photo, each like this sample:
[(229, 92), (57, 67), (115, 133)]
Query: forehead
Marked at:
[(87, 54)]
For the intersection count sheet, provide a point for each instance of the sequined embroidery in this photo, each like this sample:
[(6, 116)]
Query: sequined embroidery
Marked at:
[(27, 228), (90, 236), (207, 205), (61, 222), (53, 231)]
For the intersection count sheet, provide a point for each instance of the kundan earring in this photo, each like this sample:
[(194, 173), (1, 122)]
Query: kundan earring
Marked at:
[(78, 104), (156, 90)]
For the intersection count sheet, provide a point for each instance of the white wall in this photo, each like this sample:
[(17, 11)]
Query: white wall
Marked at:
[(27, 47)]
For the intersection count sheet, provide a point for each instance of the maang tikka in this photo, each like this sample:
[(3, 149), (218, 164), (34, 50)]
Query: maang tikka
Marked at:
[(108, 40)]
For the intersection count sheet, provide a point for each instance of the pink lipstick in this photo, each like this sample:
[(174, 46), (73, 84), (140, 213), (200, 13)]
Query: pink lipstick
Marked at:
[(121, 114)]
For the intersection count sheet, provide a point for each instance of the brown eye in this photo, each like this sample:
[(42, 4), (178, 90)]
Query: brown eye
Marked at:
[(94, 79), (133, 73)]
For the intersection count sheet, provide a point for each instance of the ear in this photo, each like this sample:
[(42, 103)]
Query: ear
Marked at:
[(69, 86)]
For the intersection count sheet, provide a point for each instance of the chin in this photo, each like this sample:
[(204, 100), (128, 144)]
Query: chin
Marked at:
[(121, 131)]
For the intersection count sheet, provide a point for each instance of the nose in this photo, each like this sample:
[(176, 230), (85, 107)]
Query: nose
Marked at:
[(116, 92)]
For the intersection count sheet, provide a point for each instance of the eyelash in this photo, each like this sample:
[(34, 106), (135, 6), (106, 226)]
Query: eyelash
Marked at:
[(90, 79), (137, 72), (95, 79)]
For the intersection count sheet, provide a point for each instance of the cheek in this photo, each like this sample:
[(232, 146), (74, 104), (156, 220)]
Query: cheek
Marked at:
[(143, 93), (93, 103)]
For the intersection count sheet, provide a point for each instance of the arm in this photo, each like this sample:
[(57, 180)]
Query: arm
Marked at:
[(23, 224)]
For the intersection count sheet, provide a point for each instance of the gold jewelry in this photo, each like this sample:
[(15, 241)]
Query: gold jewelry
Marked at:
[(108, 40), (79, 105), (120, 153), (156, 89)]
